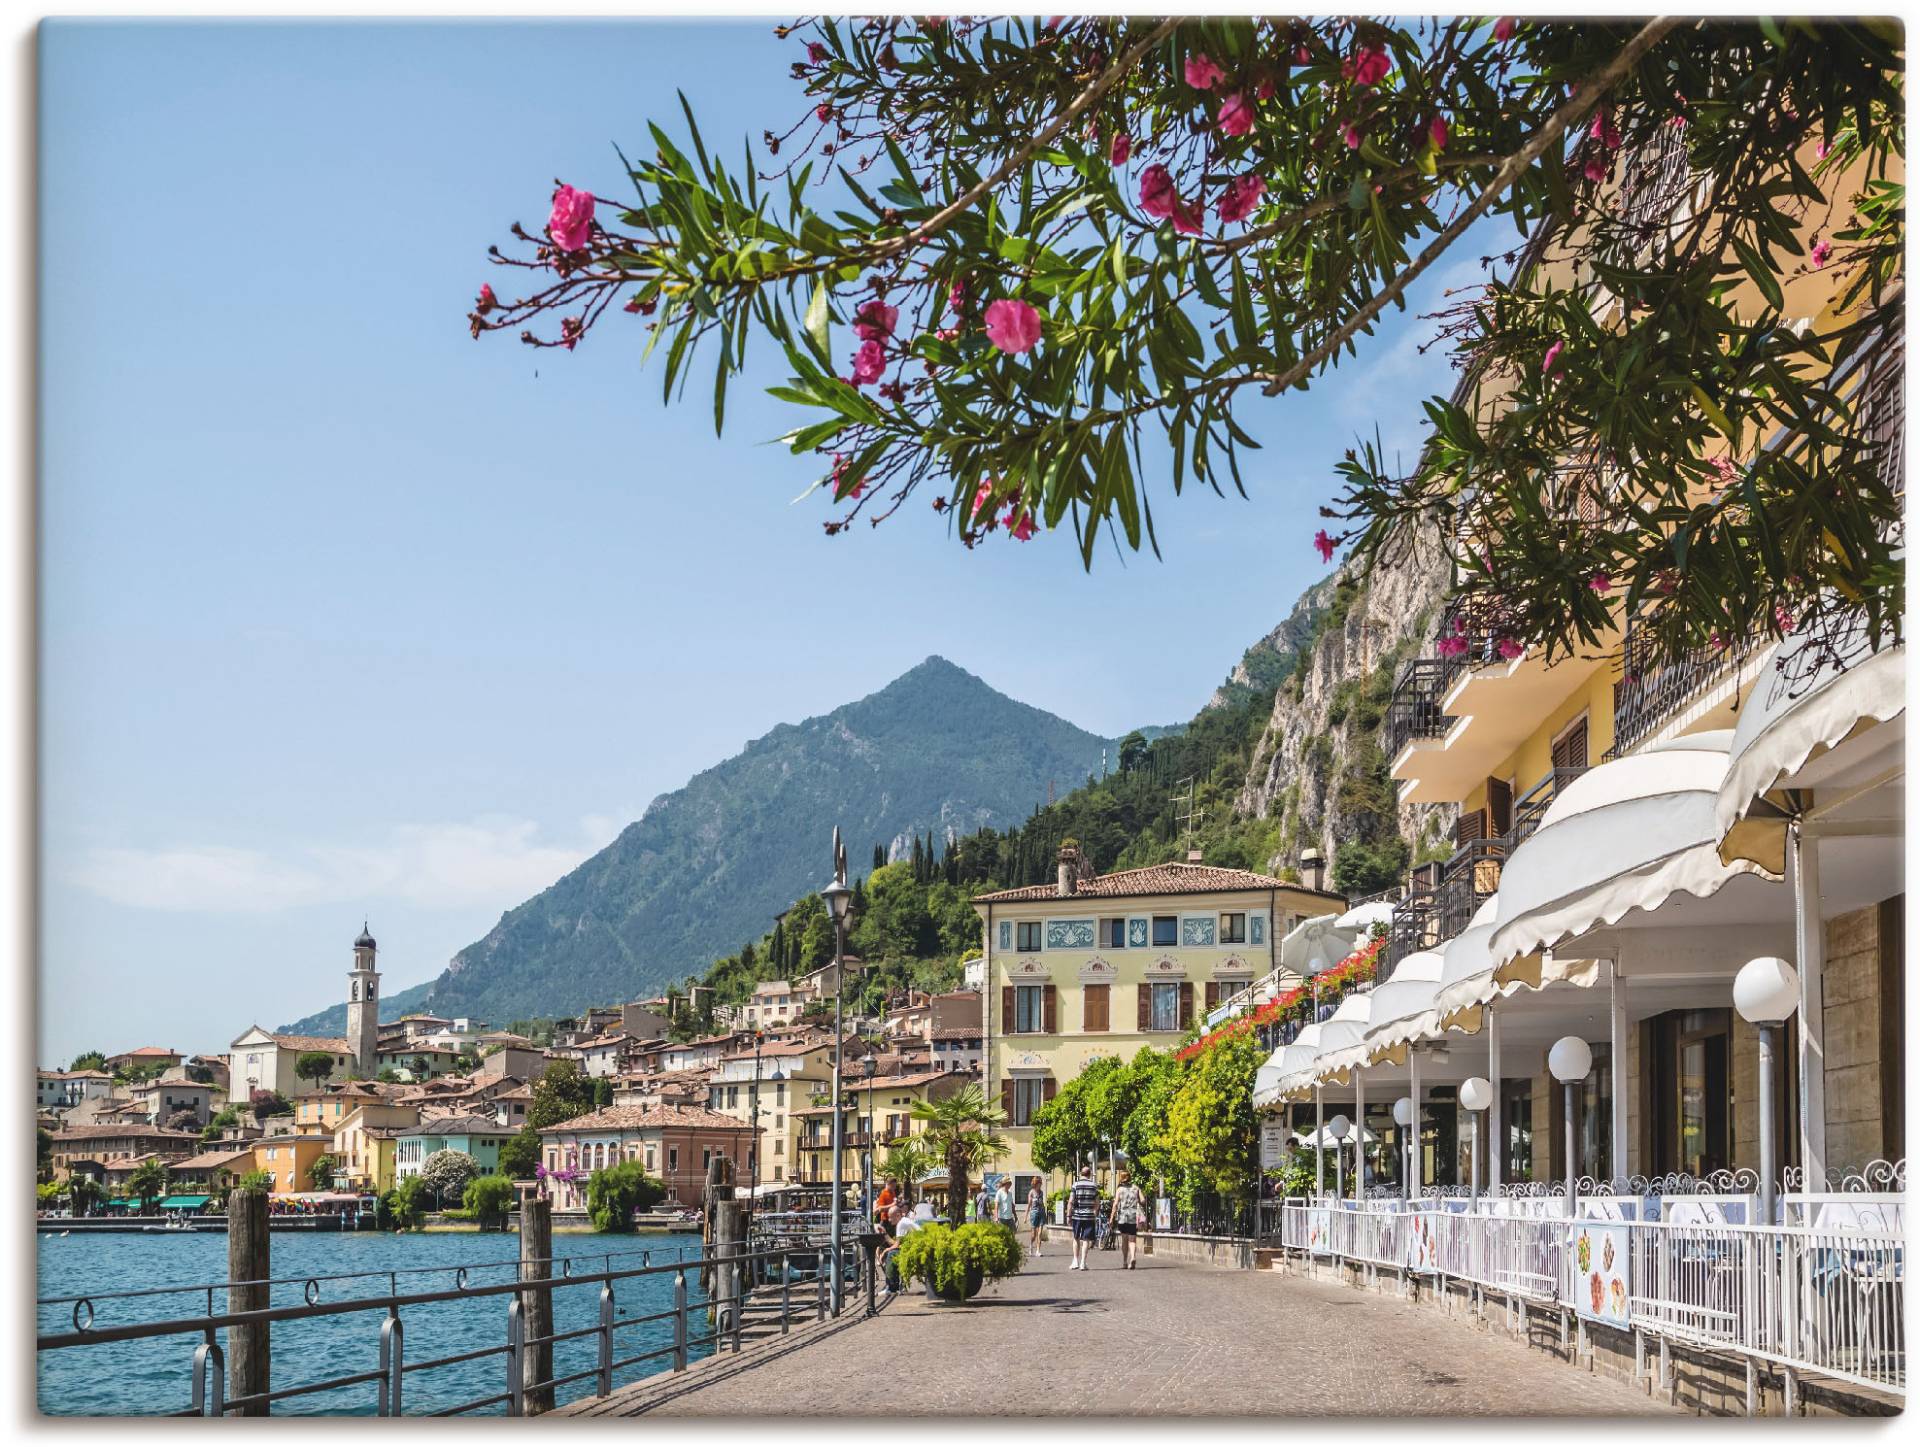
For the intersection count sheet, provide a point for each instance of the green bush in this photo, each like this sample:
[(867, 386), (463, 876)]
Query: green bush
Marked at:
[(613, 1195), (947, 1256), (488, 1199)]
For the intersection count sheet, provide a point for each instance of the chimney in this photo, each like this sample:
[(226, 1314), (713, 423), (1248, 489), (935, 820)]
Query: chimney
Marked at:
[(1069, 874), (1311, 865)]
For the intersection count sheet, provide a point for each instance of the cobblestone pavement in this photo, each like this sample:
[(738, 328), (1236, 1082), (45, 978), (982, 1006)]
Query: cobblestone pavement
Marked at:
[(1165, 1338)]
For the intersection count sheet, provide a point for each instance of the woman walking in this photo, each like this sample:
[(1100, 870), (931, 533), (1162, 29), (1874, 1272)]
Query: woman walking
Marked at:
[(1036, 1218), (1126, 1213)]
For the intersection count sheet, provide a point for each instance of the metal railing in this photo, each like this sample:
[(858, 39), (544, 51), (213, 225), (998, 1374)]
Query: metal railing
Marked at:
[(1531, 807), (742, 1286), (1472, 875), (1818, 1301), (1414, 711), (1651, 691)]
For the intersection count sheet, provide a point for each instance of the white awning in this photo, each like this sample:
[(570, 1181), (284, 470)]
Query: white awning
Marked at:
[(1287, 1060), (1812, 721), (1624, 836), (1404, 1001), (1305, 1062), (1327, 1142)]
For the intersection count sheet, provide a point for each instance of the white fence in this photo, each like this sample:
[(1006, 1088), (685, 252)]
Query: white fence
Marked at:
[(1825, 1301)]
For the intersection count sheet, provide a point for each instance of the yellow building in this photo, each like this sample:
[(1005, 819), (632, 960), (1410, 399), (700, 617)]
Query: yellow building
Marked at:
[(885, 1102), (289, 1159), (363, 1145), (1091, 967)]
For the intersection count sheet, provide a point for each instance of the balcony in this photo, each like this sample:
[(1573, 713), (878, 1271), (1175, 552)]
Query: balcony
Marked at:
[(1470, 878), (1531, 807), (1653, 693), (1414, 923), (1414, 712)]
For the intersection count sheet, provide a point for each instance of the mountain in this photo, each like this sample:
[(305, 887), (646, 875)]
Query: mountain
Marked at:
[(1273, 659), (708, 865)]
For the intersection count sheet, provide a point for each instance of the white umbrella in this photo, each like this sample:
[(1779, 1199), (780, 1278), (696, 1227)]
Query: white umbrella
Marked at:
[(1319, 938), (1363, 917)]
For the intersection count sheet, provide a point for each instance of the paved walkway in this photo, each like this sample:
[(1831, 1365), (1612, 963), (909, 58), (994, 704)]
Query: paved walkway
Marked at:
[(1165, 1338)]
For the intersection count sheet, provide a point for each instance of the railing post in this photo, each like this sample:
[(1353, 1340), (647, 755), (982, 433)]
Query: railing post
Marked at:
[(737, 1289), (249, 1259), (786, 1293), (867, 1265), (516, 1352), (606, 1339), (820, 1285), (680, 1320), (392, 1349), (536, 1263), (209, 1378)]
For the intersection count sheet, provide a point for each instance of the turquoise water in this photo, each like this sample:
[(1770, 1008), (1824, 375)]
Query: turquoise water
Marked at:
[(152, 1376)]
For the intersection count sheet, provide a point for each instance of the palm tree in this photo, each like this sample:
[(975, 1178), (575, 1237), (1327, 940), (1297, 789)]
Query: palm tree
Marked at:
[(906, 1161), (961, 1131), (147, 1182)]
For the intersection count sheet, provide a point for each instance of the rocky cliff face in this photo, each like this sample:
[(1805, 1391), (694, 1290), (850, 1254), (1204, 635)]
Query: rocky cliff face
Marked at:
[(1319, 766), (1273, 658)]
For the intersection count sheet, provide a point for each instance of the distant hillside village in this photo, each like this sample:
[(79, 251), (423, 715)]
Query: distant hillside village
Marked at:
[(669, 1082)]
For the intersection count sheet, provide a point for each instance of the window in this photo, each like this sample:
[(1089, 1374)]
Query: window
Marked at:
[(1029, 1094), (1165, 1011), (1692, 1091), (1166, 929), (780, 1093), (1233, 929), (1028, 935), (673, 1158), (1113, 933), (1029, 1009)]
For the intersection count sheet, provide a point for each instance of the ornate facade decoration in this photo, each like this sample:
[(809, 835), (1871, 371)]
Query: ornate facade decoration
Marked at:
[(1196, 930), (1136, 934), (1069, 934)]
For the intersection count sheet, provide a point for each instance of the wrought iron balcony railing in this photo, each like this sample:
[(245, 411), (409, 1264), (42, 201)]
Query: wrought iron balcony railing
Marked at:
[(1414, 710), (1531, 807), (1472, 876)]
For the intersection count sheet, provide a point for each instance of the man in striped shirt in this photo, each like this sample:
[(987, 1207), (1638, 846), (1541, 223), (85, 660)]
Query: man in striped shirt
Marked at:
[(1083, 1213)]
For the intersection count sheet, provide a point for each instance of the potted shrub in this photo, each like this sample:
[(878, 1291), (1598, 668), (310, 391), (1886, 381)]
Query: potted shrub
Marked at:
[(955, 1263)]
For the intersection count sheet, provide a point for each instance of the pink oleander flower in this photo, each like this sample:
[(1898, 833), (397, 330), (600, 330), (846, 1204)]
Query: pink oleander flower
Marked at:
[(1186, 220), (1666, 582), (570, 223), (869, 363), (1783, 617), (1437, 132), (816, 53), (1451, 646), (1012, 326), (1717, 643), (1202, 73), (1504, 27), (1351, 135), (945, 334), (1157, 196), (1020, 528), (1723, 468), (1367, 66), (1602, 130), (1596, 169), (933, 22), (1302, 56), (875, 320), (982, 502), (823, 112), (1236, 115), (1324, 545), (839, 477), (486, 301), (1550, 362), (1121, 148), (1264, 90), (1821, 251), (1600, 582), (1820, 151), (571, 330), (957, 296), (1241, 197), (1511, 648)]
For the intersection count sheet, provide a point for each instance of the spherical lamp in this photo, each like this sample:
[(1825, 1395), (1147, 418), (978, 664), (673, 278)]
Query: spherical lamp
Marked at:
[(1766, 991), (1403, 1111), (1570, 1059), (1338, 1127), (1318, 966), (1476, 1094)]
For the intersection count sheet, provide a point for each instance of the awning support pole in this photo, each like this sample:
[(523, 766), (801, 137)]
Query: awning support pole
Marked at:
[(1496, 1141), (1810, 943), (1617, 1068), (1359, 1135), (1414, 1172), (1319, 1145)]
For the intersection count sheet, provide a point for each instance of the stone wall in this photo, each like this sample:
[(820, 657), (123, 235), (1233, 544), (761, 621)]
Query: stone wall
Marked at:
[(1865, 1055)]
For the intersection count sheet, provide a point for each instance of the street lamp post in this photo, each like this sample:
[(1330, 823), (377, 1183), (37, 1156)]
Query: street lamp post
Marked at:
[(868, 1068), (1476, 1095), (839, 899), (1569, 1061), (1766, 992), (1403, 1117), (1337, 1128)]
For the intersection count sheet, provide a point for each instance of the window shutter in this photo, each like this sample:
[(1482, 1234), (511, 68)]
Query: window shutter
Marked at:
[(1006, 1097), (1006, 1010), (1146, 1007), (1047, 1089), (1499, 807), (1471, 825), (1049, 1023), (1213, 993), (1570, 750), (1093, 1010), (1186, 1004)]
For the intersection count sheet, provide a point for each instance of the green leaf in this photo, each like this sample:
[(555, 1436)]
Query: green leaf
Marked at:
[(816, 322)]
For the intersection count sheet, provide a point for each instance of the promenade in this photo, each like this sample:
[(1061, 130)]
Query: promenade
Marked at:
[(1166, 1338)]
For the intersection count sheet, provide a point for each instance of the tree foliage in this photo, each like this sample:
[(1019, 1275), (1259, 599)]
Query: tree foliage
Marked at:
[(488, 1199), (322, 1172), (520, 1154), (447, 1172), (561, 1093), (962, 1132), (1059, 260), (616, 1192), (313, 1065), (147, 1182), (1212, 1134)]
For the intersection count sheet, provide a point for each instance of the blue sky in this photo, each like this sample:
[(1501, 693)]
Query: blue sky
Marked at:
[(345, 614)]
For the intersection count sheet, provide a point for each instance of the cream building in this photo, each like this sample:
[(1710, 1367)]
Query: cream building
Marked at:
[(1100, 966)]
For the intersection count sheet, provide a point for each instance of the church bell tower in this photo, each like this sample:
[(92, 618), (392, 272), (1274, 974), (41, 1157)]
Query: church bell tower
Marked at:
[(363, 1007)]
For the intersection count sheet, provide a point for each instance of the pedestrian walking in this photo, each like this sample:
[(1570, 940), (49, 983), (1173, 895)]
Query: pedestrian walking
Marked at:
[(1003, 1203), (1036, 1218), (983, 1203), (1129, 1209), (1083, 1211)]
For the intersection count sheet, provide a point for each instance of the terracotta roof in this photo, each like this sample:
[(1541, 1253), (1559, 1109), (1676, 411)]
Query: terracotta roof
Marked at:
[(961, 1032), (101, 1132), (331, 1044), (642, 1117), (145, 1050), (1175, 878), (75, 1075), (213, 1160), (462, 1125)]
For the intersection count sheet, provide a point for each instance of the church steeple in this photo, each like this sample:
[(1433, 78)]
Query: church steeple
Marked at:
[(363, 1005)]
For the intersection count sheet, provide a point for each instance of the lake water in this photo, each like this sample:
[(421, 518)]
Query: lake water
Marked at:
[(152, 1376)]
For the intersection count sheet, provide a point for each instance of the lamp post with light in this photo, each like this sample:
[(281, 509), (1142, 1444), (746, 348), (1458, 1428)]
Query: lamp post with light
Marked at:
[(839, 900), (1337, 1128), (1476, 1095), (1409, 1144), (1569, 1062), (1766, 992)]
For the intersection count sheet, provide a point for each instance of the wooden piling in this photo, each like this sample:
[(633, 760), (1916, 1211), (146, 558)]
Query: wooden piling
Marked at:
[(249, 1259), (536, 1306), (729, 1244)]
